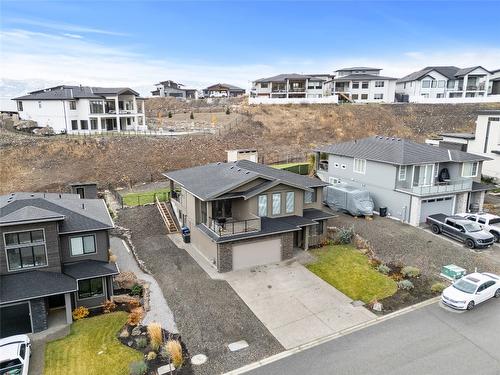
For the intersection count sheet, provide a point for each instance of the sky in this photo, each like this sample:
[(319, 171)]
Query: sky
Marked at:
[(198, 43)]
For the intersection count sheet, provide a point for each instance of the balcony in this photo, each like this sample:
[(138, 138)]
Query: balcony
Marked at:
[(297, 89), (224, 227), (450, 186)]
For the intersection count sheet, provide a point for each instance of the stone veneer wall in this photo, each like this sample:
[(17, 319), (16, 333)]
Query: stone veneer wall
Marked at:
[(287, 246), (39, 314)]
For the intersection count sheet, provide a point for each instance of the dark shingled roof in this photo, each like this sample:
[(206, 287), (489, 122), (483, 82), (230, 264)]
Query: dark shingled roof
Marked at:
[(447, 71), (224, 85), (398, 151), (284, 77), (366, 77), (90, 268), (213, 180), (315, 214), (26, 285), (31, 214), (357, 68), (65, 92), (459, 135), (464, 71)]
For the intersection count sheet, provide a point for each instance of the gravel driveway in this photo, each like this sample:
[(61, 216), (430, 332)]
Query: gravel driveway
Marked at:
[(208, 313), (397, 242)]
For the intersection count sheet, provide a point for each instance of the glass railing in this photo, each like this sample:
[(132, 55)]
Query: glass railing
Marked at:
[(449, 186), (229, 227)]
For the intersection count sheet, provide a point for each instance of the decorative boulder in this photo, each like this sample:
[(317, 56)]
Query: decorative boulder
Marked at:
[(126, 280)]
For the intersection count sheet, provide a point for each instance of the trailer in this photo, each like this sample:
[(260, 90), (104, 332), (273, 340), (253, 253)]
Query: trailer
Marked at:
[(355, 200)]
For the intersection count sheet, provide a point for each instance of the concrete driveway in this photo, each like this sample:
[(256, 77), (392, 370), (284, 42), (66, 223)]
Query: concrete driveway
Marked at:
[(295, 305)]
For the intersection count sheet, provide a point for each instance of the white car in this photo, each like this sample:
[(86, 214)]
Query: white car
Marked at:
[(15, 352), (488, 222), (471, 290)]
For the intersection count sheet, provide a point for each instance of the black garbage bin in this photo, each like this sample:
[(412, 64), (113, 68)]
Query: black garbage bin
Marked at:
[(383, 211), (186, 234)]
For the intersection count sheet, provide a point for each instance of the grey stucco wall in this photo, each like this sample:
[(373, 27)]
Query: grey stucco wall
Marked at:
[(101, 243), (39, 314)]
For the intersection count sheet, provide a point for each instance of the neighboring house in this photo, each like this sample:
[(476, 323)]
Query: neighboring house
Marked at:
[(495, 82), (243, 214), (485, 141), (442, 82), (83, 109), (222, 90), (362, 85), (174, 90), (412, 180), (292, 85), (54, 254)]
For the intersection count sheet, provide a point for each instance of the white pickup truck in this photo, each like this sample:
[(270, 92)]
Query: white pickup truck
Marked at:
[(489, 222)]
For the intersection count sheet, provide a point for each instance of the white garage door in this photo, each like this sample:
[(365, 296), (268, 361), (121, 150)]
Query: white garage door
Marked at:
[(256, 253), (442, 205)]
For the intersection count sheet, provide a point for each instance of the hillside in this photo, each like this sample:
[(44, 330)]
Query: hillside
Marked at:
[(49, 163)]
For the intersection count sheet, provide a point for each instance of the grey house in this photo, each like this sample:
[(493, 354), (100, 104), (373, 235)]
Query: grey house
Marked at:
[(242, 214), (53, 256), (412, 180)]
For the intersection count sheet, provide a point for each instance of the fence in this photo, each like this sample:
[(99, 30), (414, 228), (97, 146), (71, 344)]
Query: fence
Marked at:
[(139, 199), (116, 195)]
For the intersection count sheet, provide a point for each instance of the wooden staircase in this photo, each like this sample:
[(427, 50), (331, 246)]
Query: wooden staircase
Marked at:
[(167, 216)]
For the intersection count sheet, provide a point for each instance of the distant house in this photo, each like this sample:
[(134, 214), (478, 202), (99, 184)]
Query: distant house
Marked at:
[(84, 109), (223, 90), (362, 85), (174, 90), (495, 82), (412, 180), (442, 82), (54, 255)]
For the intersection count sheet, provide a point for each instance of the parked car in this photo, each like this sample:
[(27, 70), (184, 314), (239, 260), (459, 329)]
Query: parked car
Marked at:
[(489, 222), (471, 290), (15, 353), (461, 229)]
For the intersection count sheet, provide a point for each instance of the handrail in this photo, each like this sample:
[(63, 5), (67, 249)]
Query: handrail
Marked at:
[(231, 226)]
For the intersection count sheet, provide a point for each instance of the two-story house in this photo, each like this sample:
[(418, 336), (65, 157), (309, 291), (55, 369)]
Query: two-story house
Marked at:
[(173, 89), (83, 109), (290, 85), (54, 257), (222, 90), (412, 180), (362, 85), (243, 214)]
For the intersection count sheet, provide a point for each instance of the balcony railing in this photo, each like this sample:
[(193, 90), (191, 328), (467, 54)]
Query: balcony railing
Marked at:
[(229, 227), (450, 186), (297, 89)]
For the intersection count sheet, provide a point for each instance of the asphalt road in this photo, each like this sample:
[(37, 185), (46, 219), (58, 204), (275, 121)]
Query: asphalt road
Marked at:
[(431, 340)]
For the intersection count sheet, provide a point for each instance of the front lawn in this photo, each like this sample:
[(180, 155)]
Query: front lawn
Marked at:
[(139, 199), (91, 348), (350, 271)]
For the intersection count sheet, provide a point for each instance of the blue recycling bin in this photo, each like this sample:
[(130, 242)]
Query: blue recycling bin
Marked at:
[(186, 234)]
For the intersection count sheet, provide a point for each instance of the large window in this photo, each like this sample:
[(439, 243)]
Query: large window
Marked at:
[(469, 169), (84, 124), (72, 105), (96, 106), (20, 106), (90, 288), (359, 166), (82, 245), (74, 124), (94, 123), (290, 202), (309, 197), (276, 203), (264, 85), (426, 84), (262, 205), (25, 249), (378, 96), (379, 83), (364, 96), (402, 173), (364, 85), (355, 85)]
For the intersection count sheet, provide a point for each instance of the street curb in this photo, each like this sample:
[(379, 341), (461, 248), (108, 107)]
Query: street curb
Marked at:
[(333, 336)]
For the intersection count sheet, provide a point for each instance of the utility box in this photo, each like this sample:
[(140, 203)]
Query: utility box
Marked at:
[(452, 272)]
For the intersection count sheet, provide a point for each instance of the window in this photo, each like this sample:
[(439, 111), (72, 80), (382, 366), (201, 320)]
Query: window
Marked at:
[(441, 84), (309, 197), (469, 169), (203, 209), (96, 106), (359, 166), (82, 245), (364, 85), (264, 85), (110, 106), (20, 106), (439, 96), (262, 205), (74, 124), (276, 203), (424, 95), (140, 120), (426, 84), (481, 220), (72, 105), (354, 97), (433, 84), (402, 173), (25, 249), (364, 96), (334, 180), (90, 288), (84, 124), (450, 84), (290, 202), (39, 104), (94, 124), (355, 85), (380, 84), (378, 96)]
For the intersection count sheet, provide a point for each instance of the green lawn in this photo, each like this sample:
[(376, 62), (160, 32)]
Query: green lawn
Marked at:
[(137, 199), (349, 271), (78, 353), (299, 168)]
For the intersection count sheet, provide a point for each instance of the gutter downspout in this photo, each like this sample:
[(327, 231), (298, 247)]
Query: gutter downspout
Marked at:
[(65, 118)]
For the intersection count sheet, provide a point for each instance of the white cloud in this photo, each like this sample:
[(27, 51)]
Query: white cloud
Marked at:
[(63, 26), (28, 56), (76, 36)]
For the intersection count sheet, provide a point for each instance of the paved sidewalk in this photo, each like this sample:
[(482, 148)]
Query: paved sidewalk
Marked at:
[(294, 304), (159, 310)]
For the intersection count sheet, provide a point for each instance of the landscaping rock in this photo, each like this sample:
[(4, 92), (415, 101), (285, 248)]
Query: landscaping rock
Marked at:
[(124, 334), (136, 331), (166, 369), (124, 298), (126, 280), (130, 343), (199, 359), (377, 306), (238, 345)]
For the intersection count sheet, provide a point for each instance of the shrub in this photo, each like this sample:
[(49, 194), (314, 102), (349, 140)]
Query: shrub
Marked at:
[(344, 236), (375, 262), (173, 350), (396, 276), (108, 307), (138, 368), (405, 285), (437, 287), (191, 115), (135, 316), (136, 290), (155, 335), (80, 313), (228, 111), (410, 271), (151, 356), (169, 114), (141, 342), (382, 268), (113, 258)]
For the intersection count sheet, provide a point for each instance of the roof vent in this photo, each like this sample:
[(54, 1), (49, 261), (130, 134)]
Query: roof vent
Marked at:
[(60, 195), (239, 169), (218, 163), (32, 195), (231, 167), (247, 172)]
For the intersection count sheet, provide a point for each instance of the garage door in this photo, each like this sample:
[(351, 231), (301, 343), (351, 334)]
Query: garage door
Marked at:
[(256, 253), (442, 205), (15, 319)]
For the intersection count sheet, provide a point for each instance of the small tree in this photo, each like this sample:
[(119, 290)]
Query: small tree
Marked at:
[(191, 116), (169, 114), (228, 111)]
